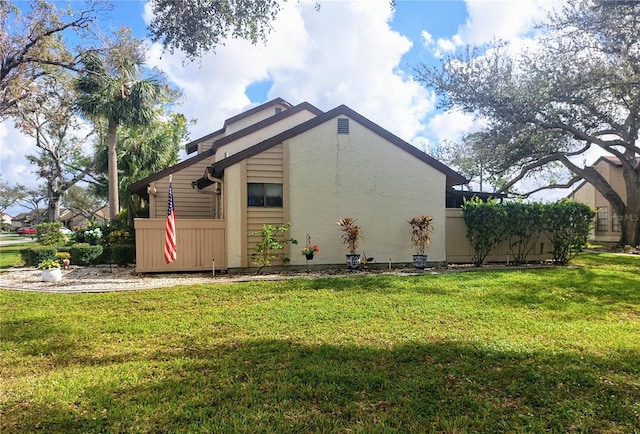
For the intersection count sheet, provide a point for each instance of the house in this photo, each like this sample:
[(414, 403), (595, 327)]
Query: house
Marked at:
[(279, 163), (5, 221), (606, 227), (74, 218)]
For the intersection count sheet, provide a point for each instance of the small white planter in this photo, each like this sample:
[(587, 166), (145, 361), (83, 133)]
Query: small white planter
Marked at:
[(53, 275)]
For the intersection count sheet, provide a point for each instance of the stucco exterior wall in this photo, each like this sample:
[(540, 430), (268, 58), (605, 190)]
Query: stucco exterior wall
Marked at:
[(360, 175), (256, 137)]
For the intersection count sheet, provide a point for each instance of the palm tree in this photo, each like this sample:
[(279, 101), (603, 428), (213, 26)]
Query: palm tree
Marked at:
[(111, 88)]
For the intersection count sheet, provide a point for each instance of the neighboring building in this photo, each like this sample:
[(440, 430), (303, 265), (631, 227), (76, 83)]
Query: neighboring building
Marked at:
[(606, 226), (75, 218), (23, 219), (5, 221), (279, 163)]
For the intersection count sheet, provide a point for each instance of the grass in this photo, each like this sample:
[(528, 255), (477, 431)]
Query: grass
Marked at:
[(10, 254), (554, 350)]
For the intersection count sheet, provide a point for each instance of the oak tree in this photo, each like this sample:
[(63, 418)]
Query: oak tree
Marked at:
[(578, 89)]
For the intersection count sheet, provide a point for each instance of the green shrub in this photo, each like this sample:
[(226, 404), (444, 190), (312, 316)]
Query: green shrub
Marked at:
[(485, 226), (85, 254), (567, 225), (49, 234), (522, 227), (123, 254), (34, 255)]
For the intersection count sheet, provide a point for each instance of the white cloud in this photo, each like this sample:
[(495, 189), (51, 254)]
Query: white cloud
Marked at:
[(345, 53)]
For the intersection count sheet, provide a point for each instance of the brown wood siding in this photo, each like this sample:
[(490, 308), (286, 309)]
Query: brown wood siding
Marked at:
[(459, 250), (265, 167), (189, 203), (199, 243)]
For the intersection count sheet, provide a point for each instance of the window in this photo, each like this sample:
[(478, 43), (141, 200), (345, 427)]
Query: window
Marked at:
[(615, 222), (602, 219), (269, 195), (343, 126), (278, 110)]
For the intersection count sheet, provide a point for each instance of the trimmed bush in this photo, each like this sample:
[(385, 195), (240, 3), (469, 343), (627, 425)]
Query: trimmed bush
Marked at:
[(85, 254), (35, 255), (123, 254), (522, 226), (567, 225), (485, 223), (49, 234)]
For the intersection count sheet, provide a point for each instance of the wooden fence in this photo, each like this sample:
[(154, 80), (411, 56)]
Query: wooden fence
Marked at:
[(200, 242), (459, 248)]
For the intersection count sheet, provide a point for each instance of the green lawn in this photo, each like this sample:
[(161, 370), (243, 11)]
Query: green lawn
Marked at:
[(10, 254), (555, 350)]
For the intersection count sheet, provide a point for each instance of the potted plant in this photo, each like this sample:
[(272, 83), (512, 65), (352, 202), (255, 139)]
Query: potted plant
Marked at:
[(421, 229), (51, 271), (351, 237), (93, 236), (311, 250)]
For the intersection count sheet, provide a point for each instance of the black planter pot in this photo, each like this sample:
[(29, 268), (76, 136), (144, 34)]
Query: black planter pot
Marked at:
[(420, 262), (309, 256), (353, 261)]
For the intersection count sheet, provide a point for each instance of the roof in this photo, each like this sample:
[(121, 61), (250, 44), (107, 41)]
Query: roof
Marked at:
[(140, 187), (193, 146), (216, 170)]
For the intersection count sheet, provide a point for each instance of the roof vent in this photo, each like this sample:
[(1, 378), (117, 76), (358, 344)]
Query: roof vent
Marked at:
[(343, 126)]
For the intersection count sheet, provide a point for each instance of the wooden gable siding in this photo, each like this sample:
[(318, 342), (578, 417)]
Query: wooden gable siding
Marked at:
[(267, 167), (189, 203)]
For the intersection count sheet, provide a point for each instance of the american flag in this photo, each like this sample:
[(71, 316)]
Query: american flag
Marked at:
[(170, 250)]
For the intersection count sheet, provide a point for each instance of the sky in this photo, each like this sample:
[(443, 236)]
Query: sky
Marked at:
[(361, 53)]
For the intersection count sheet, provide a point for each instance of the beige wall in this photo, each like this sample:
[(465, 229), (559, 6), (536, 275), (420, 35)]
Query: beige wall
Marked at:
[(588, 195), (253, 119), (360, 175), (235, 204), (256, 137)]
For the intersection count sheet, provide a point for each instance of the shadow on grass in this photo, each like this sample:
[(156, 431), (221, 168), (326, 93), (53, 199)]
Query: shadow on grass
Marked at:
[(284, 386)]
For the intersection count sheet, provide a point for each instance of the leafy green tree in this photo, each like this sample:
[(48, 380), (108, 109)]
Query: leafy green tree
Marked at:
[(576, 91), (9, 196), (49, 118), (143, 151), (112, 88), (33, 46), (84, 201), (196, 27)]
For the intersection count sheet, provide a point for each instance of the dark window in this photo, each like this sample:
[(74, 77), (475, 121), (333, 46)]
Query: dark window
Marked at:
[(602, 219), (278, 110), (269, 195), (615, 222), (343, 126)]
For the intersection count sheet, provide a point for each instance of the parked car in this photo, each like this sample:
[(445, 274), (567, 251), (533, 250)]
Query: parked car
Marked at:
[(27, 230), (66, 231)]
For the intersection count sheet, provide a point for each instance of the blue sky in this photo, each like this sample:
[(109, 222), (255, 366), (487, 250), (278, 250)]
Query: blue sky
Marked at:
[(357, 52)]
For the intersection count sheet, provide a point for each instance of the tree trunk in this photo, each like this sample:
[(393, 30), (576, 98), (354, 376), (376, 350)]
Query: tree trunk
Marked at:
[(630, 221), (54, 207), (114, 201)]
